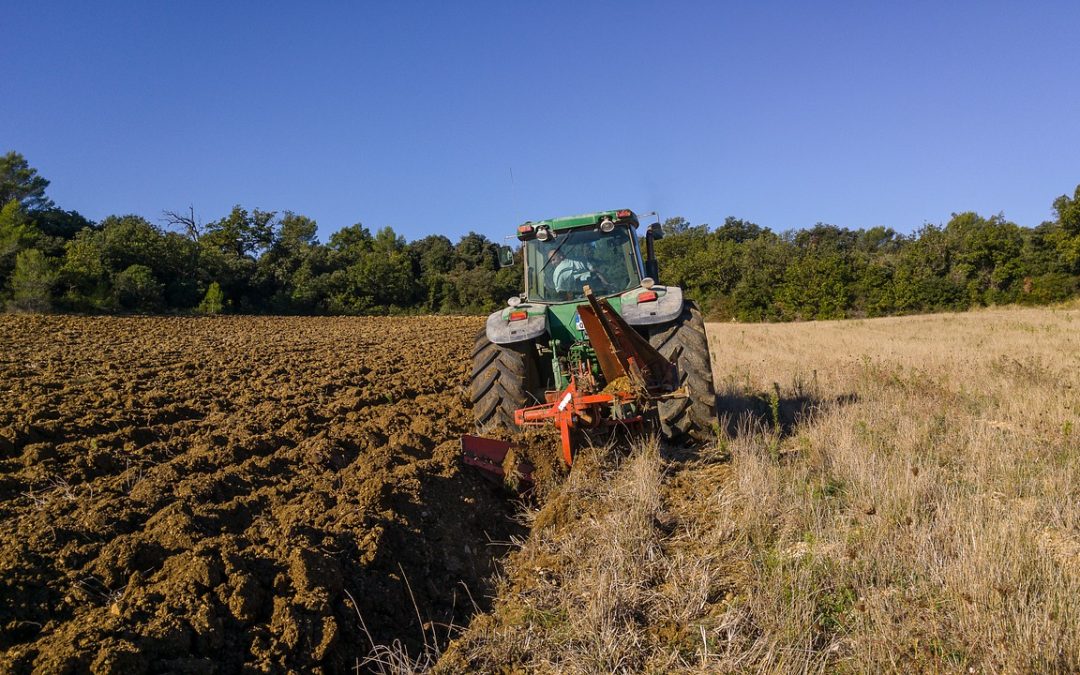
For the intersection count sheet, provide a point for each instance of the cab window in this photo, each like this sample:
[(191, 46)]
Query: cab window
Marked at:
[(560, 268)]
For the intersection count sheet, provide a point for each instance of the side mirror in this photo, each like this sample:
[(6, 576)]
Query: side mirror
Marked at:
[(506, 256), (652, 268)]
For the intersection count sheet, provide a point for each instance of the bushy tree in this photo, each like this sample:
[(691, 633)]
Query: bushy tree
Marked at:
[(32, 282), (21, 182), (214, 300), (17, 233), (279, 267), (240, 234), (136, 289), (1067, 238)]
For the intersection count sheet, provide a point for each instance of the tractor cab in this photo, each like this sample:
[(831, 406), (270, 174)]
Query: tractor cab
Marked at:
[(564, 255), (559, 268)]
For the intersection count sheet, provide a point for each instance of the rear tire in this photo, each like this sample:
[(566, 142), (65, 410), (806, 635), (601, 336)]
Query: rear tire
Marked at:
[(504, 378), (684, 341)]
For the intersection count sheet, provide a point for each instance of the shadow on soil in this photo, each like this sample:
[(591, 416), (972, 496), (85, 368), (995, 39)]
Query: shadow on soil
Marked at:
[(435, 567)]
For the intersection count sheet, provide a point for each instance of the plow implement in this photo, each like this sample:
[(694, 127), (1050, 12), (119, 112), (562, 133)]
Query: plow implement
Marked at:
[(618, 386)]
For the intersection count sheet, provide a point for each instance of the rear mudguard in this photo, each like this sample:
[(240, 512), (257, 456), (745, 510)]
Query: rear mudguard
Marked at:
[(667, 306), (502, 331)]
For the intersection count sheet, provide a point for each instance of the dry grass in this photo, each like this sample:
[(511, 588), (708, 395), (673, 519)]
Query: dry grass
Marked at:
[(923, 512), (888, 494), (612, 577)]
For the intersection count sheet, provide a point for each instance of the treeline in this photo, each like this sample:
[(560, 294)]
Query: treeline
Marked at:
[(253, 261), (249, 261), (742, 271)]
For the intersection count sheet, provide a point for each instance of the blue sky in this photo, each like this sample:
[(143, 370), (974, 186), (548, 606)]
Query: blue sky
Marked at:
[(414, 114)]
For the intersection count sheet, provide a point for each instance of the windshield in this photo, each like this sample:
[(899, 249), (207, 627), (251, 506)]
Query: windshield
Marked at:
[(558, 269)]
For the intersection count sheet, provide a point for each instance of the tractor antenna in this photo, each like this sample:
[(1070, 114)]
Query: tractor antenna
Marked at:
[(513, 196)]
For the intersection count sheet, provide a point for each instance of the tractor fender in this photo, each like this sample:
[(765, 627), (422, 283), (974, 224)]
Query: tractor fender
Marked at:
[(502, 331), (667, 306)]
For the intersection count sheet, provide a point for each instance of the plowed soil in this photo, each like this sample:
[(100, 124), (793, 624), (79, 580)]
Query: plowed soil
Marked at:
[(213, 495)]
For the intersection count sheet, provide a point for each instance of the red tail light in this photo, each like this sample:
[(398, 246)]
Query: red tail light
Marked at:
[(625, 213), (518, 316), (526, 232), (646, 296)]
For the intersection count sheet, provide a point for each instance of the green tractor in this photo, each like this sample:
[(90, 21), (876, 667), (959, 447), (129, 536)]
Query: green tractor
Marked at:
[(595, 340)]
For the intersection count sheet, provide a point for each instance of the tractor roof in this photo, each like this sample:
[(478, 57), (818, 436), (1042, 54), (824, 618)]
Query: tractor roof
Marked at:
[(573, 222)]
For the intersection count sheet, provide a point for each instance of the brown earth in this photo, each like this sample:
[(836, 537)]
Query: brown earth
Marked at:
[(213, 494)]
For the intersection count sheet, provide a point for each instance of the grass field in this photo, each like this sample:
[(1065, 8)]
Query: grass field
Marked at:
[(886, 494)]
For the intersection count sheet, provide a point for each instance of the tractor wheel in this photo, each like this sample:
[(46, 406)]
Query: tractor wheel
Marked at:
[(683, 340), (504, 378)]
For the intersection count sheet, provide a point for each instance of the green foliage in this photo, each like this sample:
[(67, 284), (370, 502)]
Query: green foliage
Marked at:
[(17, 233), (266, 263), (60, 224), (240, 234), (214, 301), (20, 182), (32, 282), (136, 289), (745, 272)]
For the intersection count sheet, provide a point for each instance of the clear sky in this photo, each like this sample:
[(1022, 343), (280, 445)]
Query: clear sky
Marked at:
[(415, 114)]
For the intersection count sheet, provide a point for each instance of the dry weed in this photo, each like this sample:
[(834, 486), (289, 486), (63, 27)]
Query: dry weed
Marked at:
[(612, 577)]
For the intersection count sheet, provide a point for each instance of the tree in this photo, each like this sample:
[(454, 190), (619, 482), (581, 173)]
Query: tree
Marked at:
[(738, 230), (433, 254), (185, 223), (21, 182), (351, 238), (17, 233), (136, 289), (60, 224), (986, 256), (879, 239), (127, 263), (84, 275), (476, 250), (32, 282), (296, 232), (241, 234), (214, 301), (1068, 212), (1067, 241), (676, 225), (294, 241)]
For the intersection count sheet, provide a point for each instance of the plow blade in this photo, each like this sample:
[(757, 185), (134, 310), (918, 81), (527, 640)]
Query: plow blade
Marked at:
[(620, 351), (489, 454)]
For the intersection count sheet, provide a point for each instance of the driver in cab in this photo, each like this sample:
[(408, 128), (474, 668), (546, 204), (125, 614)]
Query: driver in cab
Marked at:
[(573, 271)]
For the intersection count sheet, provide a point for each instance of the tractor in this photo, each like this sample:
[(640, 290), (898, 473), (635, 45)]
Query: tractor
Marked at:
[(594, 342)]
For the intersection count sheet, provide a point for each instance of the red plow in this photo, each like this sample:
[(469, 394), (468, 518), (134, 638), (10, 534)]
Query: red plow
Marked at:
[(634, 378)]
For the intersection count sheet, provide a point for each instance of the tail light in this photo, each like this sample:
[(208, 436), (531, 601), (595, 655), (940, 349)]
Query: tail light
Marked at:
[(518, 316), (646, 296)]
